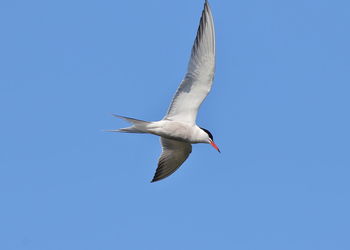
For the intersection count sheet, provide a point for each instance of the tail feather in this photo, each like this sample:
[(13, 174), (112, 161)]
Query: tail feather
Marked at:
[(138, 126)]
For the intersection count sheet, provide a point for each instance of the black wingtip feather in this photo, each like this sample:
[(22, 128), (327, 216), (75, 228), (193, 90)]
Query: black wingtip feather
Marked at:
[(202, 24)]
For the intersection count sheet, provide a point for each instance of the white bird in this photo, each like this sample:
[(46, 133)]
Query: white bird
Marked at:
[(178, 129)]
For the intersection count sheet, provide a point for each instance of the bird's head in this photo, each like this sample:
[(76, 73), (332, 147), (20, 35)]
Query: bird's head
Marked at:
[(210, 139)]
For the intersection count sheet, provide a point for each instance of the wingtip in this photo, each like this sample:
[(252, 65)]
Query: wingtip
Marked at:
[(207, 6), (153, 180), (156, 178)]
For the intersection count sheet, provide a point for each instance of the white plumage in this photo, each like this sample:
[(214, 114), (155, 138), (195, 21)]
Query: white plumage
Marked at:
[(178, 129), (199, 77)]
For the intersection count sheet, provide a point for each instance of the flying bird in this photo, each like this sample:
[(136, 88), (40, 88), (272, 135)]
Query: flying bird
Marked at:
[(178, 129)]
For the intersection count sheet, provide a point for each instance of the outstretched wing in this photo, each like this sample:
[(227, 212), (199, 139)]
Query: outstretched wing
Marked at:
[(173, 155), (200, 73)]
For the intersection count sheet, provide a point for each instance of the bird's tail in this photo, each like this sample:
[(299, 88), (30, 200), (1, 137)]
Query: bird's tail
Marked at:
[(138, 126)]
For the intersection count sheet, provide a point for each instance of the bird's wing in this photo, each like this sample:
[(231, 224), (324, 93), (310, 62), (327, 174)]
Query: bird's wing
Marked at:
[(200, 73), (173, 155)]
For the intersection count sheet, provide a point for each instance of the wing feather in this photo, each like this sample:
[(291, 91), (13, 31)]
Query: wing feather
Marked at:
[(173, 155), (200, 73)]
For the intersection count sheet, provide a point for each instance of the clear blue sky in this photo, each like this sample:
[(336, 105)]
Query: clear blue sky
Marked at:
[(279, 110)]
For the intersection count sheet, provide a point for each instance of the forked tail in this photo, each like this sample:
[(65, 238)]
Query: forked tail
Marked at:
[(138, 126)]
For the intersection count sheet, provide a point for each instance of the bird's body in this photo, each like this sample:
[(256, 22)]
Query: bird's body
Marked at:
[(178, 129), (169, 129)]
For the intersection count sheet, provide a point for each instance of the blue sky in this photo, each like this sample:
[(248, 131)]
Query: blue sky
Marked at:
[(279, 111)]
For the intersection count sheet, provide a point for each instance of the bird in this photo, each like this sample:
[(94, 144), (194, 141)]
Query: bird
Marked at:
[(178, 129)]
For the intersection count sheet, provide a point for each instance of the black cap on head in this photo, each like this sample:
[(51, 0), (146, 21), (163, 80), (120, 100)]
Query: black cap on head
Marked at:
[(208, 132)]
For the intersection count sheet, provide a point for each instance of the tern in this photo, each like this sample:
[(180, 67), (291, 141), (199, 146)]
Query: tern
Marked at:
[(178, 129)]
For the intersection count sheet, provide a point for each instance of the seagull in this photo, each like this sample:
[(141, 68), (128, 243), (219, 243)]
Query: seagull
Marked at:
[(178, 129)]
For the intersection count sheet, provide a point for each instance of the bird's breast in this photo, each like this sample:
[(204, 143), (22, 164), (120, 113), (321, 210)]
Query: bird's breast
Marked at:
[(174, 130)]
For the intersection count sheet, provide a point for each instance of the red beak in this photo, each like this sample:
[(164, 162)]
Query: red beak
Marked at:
[(214, 145)]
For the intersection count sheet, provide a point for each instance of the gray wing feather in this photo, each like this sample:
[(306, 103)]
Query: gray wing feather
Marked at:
[(200, 73), (173, 155)]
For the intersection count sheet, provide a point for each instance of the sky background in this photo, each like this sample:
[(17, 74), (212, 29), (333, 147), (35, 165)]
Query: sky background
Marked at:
[(279, 111)]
